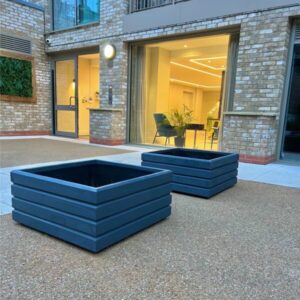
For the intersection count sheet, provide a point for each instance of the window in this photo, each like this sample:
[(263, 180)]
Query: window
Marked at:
[(69, 13), (177, 91)]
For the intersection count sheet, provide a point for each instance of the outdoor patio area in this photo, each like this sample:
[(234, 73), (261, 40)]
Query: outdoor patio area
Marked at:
[(240, 244), (149, 150)]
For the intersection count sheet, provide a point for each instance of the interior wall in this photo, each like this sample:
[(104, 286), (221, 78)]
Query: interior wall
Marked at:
[(210, 106), (157, 74), (164, 96), (88, 85), (177, 99)]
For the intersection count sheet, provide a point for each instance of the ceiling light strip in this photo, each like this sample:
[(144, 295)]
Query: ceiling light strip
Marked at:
[(206, 66), (212, 58), (195, 84), (194, 69)]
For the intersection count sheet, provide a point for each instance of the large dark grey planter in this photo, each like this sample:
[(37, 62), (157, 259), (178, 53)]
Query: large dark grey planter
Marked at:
[(92, 204), (196, 172)]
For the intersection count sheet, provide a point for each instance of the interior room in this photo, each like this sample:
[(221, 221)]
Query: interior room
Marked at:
[(76, 94), (88, 91), (177, 90)]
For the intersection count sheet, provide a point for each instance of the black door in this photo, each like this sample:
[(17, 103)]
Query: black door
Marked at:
[(292, 128)]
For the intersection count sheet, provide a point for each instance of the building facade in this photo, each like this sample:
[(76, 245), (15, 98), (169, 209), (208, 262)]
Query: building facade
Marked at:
[(234, 69)]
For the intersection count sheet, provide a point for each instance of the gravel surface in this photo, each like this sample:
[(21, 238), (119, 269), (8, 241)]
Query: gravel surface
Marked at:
[(241, 244)]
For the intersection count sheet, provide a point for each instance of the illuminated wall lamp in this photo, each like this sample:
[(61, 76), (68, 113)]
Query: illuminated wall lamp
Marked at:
[(109, 52)]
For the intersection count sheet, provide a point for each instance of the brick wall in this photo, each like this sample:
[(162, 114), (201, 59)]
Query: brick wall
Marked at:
[(22, 118), (251, 129), (254, 137), (106, 127), (261, 69), (260, 78), (109, 25), (114, 74)]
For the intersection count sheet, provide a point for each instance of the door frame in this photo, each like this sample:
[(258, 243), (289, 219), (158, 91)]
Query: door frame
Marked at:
[(228, 85), (66, 107), (68, 56), (287, 90)]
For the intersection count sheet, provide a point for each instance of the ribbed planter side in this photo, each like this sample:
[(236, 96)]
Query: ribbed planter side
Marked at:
[(196, 172), (92, 204)]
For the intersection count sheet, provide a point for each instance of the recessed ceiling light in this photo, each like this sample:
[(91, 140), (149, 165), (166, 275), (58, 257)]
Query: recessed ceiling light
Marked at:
[(185, 46), (195, 84), (194, 69), (207, 62)]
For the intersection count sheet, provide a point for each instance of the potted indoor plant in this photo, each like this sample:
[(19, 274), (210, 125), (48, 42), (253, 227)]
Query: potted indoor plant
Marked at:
[(180, 120)]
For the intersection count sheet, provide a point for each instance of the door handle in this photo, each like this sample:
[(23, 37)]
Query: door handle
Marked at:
[(70, 100)]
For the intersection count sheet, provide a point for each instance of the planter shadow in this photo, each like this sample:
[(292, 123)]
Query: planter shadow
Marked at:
[(196, 172), (92, 204)]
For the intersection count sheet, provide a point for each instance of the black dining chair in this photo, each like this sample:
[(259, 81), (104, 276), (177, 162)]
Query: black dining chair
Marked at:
[(163, 128), (215, 134)]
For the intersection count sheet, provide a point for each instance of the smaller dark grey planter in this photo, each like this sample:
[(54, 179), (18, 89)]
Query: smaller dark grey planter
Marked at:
[(196, 172), (92, 204)]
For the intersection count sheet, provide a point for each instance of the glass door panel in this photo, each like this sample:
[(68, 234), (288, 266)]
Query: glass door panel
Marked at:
[(177, 91), (66, 98), (291, 146), (65, 121)]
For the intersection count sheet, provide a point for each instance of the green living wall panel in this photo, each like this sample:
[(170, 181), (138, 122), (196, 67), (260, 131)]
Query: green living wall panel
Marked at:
[(15, 77)]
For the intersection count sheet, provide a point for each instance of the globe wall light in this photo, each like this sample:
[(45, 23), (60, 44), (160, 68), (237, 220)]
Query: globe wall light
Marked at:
[(109, 51)]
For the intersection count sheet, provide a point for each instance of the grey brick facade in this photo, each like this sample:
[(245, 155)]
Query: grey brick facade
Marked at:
[(251, 128), (24, 118)]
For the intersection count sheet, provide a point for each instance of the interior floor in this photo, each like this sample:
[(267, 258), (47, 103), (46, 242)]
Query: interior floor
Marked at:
[(203, 141), (84, 137)]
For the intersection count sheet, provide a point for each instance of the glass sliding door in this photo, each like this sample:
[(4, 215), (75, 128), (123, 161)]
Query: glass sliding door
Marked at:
[(291, 143), (137, 121), (175, 80), (66, 104)]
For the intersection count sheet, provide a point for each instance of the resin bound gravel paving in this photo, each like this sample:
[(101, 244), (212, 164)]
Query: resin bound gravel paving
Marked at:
[(241, 244)]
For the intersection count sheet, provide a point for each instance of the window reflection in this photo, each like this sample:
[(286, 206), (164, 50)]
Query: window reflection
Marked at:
[(69, 13)]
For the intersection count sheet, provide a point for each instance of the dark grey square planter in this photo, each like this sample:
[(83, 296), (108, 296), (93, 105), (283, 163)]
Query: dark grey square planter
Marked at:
[(92, 204), (196, 172)]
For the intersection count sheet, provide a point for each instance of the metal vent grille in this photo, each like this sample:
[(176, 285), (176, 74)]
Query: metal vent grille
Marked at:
[(298, 31), (12, 43)]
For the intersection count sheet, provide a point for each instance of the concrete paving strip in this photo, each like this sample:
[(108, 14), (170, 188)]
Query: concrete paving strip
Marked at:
[(278, 174)]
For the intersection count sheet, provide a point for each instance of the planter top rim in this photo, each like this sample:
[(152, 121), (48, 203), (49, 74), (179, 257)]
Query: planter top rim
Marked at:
[(33, 173), (177, 153)]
